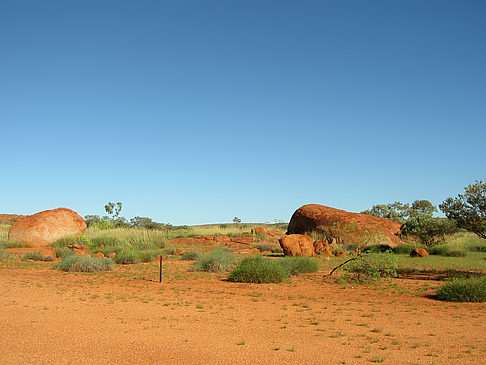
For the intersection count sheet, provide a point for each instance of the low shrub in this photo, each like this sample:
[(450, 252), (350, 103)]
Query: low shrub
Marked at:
[(463, 290), (378, 248), (370, 267), (190, 255), (36, 256), (406, 249), (3, 254), (476, 245), (258, 269), (63, 252), (9, 244), (168, 251), (107, 241), (144, 245), (299, 265), (84, 264), (147, 255), (216, 261), (277, 250), (262, 247), (449, 251), (349, 247), (127, 255), (69, 241)]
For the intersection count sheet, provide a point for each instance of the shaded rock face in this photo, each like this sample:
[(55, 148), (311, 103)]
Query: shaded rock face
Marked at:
[(345, 227), (419, 252), (41, 229), (297, 245)]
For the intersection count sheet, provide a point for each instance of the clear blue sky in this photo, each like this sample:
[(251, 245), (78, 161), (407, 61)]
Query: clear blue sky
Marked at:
[(195, 112)]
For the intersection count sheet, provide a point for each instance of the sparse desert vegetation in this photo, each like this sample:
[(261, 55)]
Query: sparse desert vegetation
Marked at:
[(235, 282)]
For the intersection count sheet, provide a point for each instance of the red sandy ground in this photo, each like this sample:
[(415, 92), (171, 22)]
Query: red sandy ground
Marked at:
[(127, 317)]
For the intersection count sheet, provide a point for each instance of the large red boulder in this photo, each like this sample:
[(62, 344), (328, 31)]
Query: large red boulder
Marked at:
[(344, 226), (297, 245), (43, 228)]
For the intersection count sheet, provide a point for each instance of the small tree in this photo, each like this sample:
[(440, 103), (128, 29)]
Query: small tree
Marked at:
[(428, 229), (236, 220), (400, 212), (113, 210), (422, 207), (468, 209), (395, 211)]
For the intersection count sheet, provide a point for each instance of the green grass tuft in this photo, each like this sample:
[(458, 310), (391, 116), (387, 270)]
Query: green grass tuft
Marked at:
[(128, 255), (299, 265), (463, 290), (218, 260), (259, 269)]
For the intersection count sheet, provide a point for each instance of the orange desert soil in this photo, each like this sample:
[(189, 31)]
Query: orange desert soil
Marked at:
[(127, 317)]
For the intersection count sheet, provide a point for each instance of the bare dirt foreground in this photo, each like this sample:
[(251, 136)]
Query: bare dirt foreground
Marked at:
[(127, 317)]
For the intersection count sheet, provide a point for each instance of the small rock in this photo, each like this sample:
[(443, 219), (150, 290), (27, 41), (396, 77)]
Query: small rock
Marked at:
[(419, 252)]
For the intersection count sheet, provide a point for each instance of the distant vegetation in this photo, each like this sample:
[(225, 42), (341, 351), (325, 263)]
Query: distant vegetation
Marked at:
[(467, 211)]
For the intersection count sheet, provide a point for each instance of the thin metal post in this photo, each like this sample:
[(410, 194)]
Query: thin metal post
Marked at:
[(160, 269)]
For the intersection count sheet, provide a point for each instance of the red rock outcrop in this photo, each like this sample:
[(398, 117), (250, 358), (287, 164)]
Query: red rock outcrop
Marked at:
[(322, 248), (9, 218), (344, 226), (43, 228), (419, 252), (297, 245)]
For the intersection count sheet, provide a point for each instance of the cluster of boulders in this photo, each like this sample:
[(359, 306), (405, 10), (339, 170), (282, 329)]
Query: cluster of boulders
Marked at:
[(302, 245)]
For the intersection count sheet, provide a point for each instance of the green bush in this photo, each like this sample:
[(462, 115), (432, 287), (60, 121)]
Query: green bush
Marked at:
[(148, 255), (69, 241), (144, 245), (378, 248), (406, 249), (463, 290), (127, 255), (277, 250), (36, 256), (190, 255), (449, 251), (85, 264), (258, 269), (370, 267), (168, 251), (217, 261), (299, 265), (63, 252), (107, 241), (429, 230), (349, 247), (476, 245)]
